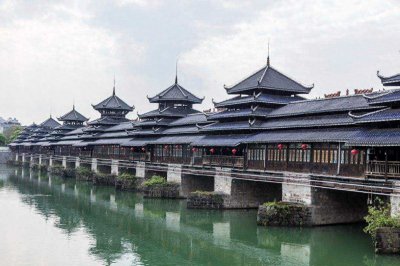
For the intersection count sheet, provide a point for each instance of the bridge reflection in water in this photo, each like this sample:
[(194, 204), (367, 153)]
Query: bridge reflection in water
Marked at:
[(124, 228)]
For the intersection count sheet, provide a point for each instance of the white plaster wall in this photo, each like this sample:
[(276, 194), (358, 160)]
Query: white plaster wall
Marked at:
[(77, 162), (296, 193), (94, 165), (223, 181), (114, 167), (64, 161), (174, 173), (140, 169), (395, 201)]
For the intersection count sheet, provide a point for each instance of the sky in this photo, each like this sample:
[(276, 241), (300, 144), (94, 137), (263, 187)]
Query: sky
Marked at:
[(56, 53)]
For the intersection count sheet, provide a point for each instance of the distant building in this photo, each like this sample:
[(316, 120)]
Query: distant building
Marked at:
[(10, 122)]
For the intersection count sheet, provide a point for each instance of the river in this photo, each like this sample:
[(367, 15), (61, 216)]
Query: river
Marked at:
[(47, 220)]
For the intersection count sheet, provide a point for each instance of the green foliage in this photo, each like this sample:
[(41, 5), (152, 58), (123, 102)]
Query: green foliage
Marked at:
[(155, 180), (277, 204), (216, 197), (379, 216), (12, 133), (126, 176), (3, 140), (83, 171), (203, 193)]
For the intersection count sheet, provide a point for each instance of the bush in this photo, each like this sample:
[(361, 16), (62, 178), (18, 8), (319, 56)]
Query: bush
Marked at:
[(379, 216), (83, 171), (155, 180), (126, 176)]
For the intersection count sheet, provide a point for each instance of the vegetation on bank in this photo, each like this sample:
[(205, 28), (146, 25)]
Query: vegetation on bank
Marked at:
[(9, 135), (379, 216), (39, 167), (126, 176), (83, 171), (155, 180), (215, 196)]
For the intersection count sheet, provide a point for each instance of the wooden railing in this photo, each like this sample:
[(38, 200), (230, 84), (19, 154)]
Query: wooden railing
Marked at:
[(171, 159), (383, 169), (221, 160)]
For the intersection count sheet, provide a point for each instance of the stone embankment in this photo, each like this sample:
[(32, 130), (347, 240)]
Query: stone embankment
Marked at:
[(5, 155), (205, 200), (284, 214), (387, 240)]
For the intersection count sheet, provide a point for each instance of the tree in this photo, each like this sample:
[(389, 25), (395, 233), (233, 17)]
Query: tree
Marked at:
[(12, 133), (2, 140)]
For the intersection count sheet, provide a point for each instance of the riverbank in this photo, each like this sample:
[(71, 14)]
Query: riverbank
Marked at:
[(99, 225)]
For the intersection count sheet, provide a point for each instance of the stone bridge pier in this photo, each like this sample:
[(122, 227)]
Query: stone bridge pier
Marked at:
[(241, 193), (233, 193), (188, 182), (395, 200), (320, 206)]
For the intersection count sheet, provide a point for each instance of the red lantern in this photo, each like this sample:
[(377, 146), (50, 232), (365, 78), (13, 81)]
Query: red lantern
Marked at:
[(304, 146), (354, 152), (212, 150), (280, 146), (234, 151), (165, 147), (132, 149), (143, 149), (194, 149), (176, 146)]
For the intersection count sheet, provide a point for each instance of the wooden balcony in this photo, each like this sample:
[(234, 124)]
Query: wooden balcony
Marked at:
[(221, 160), (389, 169), (172, 159)]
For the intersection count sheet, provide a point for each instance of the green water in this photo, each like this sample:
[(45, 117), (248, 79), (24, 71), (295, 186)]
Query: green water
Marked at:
[(53, 221)]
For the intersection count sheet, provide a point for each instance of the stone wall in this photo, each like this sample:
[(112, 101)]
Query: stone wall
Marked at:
[(169, 190), (206, 200), (336, 207), (251, 194), (5, 156), (395, 201), (387, 240), (284, 214), (192, 183)]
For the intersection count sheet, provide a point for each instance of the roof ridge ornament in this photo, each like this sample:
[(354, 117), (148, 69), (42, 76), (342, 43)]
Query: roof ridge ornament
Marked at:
[(114, 86), (268, 61), (176, 70), (367, 114)]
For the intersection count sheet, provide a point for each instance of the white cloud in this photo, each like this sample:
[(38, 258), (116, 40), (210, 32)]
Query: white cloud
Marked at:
[(140, 3), (336, 44), (48, 60)]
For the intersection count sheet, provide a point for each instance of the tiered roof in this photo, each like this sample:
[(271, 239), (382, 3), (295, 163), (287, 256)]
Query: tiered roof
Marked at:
[(268, 78), (113, 103), (73, 116), (258, 96), (174, 103), (175, 93), (391, 80)]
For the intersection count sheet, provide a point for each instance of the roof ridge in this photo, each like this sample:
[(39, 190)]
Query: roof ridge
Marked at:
[(367, 114), (389, 77), (265, 71), (292, 79), (181, 90), (243, 79)]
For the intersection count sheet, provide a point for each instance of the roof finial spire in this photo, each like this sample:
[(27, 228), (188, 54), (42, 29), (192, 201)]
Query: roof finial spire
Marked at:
[(73, 103), (176, 71), (114, 85), (268, 54)]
